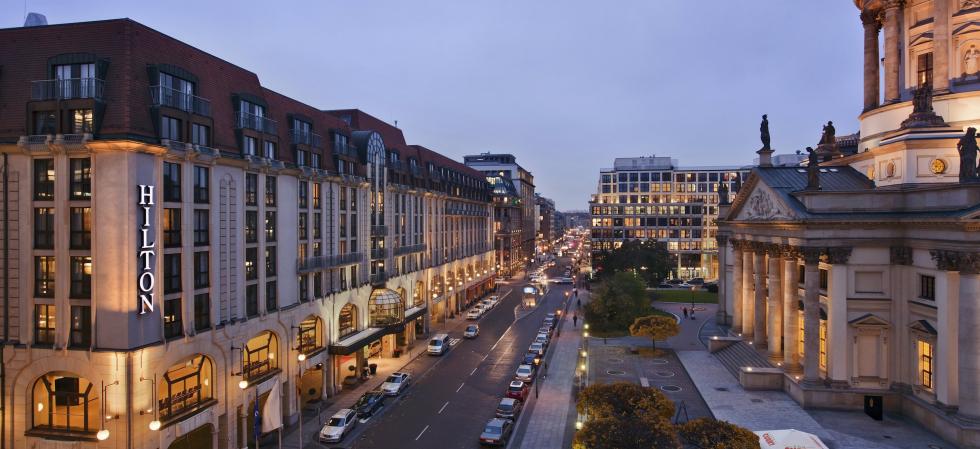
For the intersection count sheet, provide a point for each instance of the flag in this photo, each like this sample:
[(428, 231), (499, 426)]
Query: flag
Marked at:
[(256, 420), (272, 410)]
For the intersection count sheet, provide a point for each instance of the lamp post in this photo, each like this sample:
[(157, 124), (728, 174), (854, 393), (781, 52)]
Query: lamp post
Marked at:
[(300, 358), (103, 433), (155, 423)]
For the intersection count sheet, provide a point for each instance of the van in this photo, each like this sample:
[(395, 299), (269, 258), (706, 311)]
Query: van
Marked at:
[(439, 344)]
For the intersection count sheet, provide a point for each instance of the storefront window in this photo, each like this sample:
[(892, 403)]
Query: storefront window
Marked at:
[(64, 402), (347, 322), (260, 355), (185, 387), (386, 308), (310, 335)]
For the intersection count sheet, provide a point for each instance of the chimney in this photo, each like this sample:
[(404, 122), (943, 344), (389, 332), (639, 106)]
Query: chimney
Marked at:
[(35, 19)]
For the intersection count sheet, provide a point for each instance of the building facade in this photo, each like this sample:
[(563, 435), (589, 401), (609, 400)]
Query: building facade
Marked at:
[(860, 276), (505, 166), (653, 198), (545, 223), (178, 239)]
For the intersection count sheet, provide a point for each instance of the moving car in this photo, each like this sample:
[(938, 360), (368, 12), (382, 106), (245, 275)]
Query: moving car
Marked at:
[(338, 426), (396, 383), (438, 345), (518, 390), (496, 432), (474, 313), (524, 373), (471, 331), (509, 408), (369, 403)]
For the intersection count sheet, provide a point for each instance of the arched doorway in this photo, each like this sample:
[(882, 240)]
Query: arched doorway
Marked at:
[(64, 404)]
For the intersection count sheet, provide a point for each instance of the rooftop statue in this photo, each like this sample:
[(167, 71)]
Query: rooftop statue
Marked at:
[(829, 134), (764, 132), (967, 146), (812, 169)]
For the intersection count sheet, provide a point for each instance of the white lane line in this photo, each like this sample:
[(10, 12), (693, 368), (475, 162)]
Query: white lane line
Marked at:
[(485, 357), (474, 370), (460, 387), (420, 433), (441, 409)]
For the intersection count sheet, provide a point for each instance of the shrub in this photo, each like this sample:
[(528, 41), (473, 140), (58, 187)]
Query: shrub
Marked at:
[(624, 400), (608, 432), (705, 433)]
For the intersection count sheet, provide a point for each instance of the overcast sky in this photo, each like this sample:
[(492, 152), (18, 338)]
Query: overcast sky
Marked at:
[(565, 85)]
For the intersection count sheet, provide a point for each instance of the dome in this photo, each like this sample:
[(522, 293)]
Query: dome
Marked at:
[(384, 296)]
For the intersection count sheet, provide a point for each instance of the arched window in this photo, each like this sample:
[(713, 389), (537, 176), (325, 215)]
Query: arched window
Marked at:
[(260, 355), (347, 321), (385, 308), (438, 286), (310, 336), (186, 387), (65, 403)]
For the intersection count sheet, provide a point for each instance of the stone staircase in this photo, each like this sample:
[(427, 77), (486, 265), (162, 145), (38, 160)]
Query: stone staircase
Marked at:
[(740, 354)]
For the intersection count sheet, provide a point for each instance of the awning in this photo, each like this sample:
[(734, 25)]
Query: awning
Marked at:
[(414, 313), (357, 341)]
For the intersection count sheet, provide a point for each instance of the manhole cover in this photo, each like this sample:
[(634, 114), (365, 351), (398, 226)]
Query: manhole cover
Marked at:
[(671, 388), (614, 360), (757, 400), (658, 362), (615, 372), (665, 374)]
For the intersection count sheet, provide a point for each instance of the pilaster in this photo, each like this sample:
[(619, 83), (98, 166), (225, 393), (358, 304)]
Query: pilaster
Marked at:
[(837, 365), (774, 300)]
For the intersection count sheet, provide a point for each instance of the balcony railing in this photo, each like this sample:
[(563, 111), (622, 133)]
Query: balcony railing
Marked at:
[(396, 165), (301, 137), (256, 122), (66, 89), (343, 149), (317, 263), (379, 231), (379, 278), (172, 98), (379, 253), (402, 250), (415, 170)]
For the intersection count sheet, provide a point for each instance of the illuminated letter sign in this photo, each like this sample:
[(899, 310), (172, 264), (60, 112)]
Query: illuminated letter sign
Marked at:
[(145, 282)]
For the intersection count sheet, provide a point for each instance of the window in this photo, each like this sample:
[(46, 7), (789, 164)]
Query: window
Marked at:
[(923, 69), (201, 195), (171, 273), (81, 121), (800, 320), (316, 195), (202, 268), (251, 300), (343, 198), (304, 288), (823, 345), (170, 128), (301, 157), (201, 226), (926, 352), (270, 261), (44, 179), (172, 323), (353, 198), (81, 179), (270, 226), (44, 321), (251, 226), (251, 264), (347, 321), (315, 160), (271, 302), (251, 189), (270, 191), (43, 228), (171, 182), (824, 279), (270, 150), (186, 386), (81, 277), (302, 192), (81, 327), (44, 276), (317, 218), (176, 92), (45, 123), (317, 285), (202, 312), (927, 287), (81, 228), (250, 146), (302, 225), (200, 135), (171, 228)]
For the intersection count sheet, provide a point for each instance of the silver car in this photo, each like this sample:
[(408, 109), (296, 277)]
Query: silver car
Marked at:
[(338, 426)]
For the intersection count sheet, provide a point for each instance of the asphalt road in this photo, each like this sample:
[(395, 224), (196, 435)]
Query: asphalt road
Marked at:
[(454, 395)]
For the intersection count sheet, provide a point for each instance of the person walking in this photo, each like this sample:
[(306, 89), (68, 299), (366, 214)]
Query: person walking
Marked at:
[(685, 313), (575, 320)]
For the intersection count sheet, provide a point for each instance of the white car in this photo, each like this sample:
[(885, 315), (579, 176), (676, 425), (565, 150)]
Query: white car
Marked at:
[(536, 347), (395, 383), (487, 304), (525, 373), (474, 313), (542, 338), (494, 299), (338, 426), (471, 331)]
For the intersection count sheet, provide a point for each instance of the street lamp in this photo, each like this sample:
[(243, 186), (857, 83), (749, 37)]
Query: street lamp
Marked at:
[(155, 423), (103, 433)]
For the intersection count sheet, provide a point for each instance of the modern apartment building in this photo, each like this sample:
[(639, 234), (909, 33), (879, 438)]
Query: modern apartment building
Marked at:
[(504, 166), (177, 239), (654, 198)]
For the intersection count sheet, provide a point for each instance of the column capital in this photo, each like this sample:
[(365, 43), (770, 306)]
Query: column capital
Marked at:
[(773, 249), (892, 4), (789, 251), (811, 255), (872, 18), (838, 255), (901, 255), (722, 239), (968, 263)]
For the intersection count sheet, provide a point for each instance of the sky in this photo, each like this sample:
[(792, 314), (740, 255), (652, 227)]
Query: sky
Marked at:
[(564, 85)]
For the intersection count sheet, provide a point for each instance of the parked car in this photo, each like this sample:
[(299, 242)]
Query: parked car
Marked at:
[(696, 281), (496, 432), (564, 280), (524, 373), (530, 358), (396, 383), (542, 338), (549, 316), (338, 425), (518, 390), (439, 344), (536, 347), (487, 304), (546, 330), (550, 322), (509, 408), (665, 285), (474, 313), (471, 331), (495, 299), (369, 403)]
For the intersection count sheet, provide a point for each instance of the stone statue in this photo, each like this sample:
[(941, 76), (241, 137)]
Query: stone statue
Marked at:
[(737, 183), (922, 115), (922, 99), (970, 61), (967, 146), (812, 170), (828, 136), (723, 192), (764, 132)]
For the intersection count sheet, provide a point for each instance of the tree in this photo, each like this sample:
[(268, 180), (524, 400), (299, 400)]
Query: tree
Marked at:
[(657, 327), (616, 302), (706, 433), (648, 259), (624, 400), (608, 432)]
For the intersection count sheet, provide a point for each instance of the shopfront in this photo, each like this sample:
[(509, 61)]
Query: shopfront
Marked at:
[(185, 389)]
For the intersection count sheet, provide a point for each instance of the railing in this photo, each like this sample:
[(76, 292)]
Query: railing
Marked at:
[(172, 98), (306, 138), (65, 89), (402, 250), (396, 165), (379, 278), (379, 231), (379, 253), (256, 122), (415, 170), (205, 150), (343, 149), (72, 140), (317, 263)]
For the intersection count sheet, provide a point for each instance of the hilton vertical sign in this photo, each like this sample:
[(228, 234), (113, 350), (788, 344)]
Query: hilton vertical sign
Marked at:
[(147, 252)]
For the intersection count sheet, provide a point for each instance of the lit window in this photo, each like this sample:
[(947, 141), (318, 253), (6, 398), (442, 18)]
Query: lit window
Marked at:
[(926, 351)]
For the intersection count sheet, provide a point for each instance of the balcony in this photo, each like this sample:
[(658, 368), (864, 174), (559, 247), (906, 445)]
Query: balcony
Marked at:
[(318, 263), (379, 231), (379, 278), (67, 89), (396, 165), (402, 250), (172, 98), (379, 253), (343, 149), (300, 137), (257, 122)]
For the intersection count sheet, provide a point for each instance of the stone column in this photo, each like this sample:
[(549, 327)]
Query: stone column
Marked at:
[(811, 317), (969, 335), (736, 293), (791, 356), (759, 323), (940, 46), (723, 296), (871, 72), (748, 294), (893, 9), (774, 301), (837, 342), (948, 315)]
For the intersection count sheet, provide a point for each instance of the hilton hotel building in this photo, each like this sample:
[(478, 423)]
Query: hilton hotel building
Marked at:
[(174, 236)]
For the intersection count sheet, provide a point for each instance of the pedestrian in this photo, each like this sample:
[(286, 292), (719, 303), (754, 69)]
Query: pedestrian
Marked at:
[(579, 303), (574, 320), (692, 314), (685, 313)]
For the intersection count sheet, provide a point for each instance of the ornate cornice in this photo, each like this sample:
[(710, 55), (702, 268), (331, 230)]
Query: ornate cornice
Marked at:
[(901, 255), (967, 263)]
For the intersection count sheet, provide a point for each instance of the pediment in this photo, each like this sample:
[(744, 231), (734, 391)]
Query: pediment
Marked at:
[(759, 202), (966, 28), (923, 326), (920, 38), (870, 319)]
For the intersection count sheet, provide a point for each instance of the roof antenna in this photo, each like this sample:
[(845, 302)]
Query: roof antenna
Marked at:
[(396, 123)]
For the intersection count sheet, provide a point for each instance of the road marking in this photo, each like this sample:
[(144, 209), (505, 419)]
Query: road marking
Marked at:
[(485, 357), (474, 370), (460, 387), (420, 433), (441, 409), (454, 341)]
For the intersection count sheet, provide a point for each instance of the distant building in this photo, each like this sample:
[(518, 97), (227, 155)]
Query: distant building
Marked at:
[(653, 198), (505, 166), (545, 214)]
